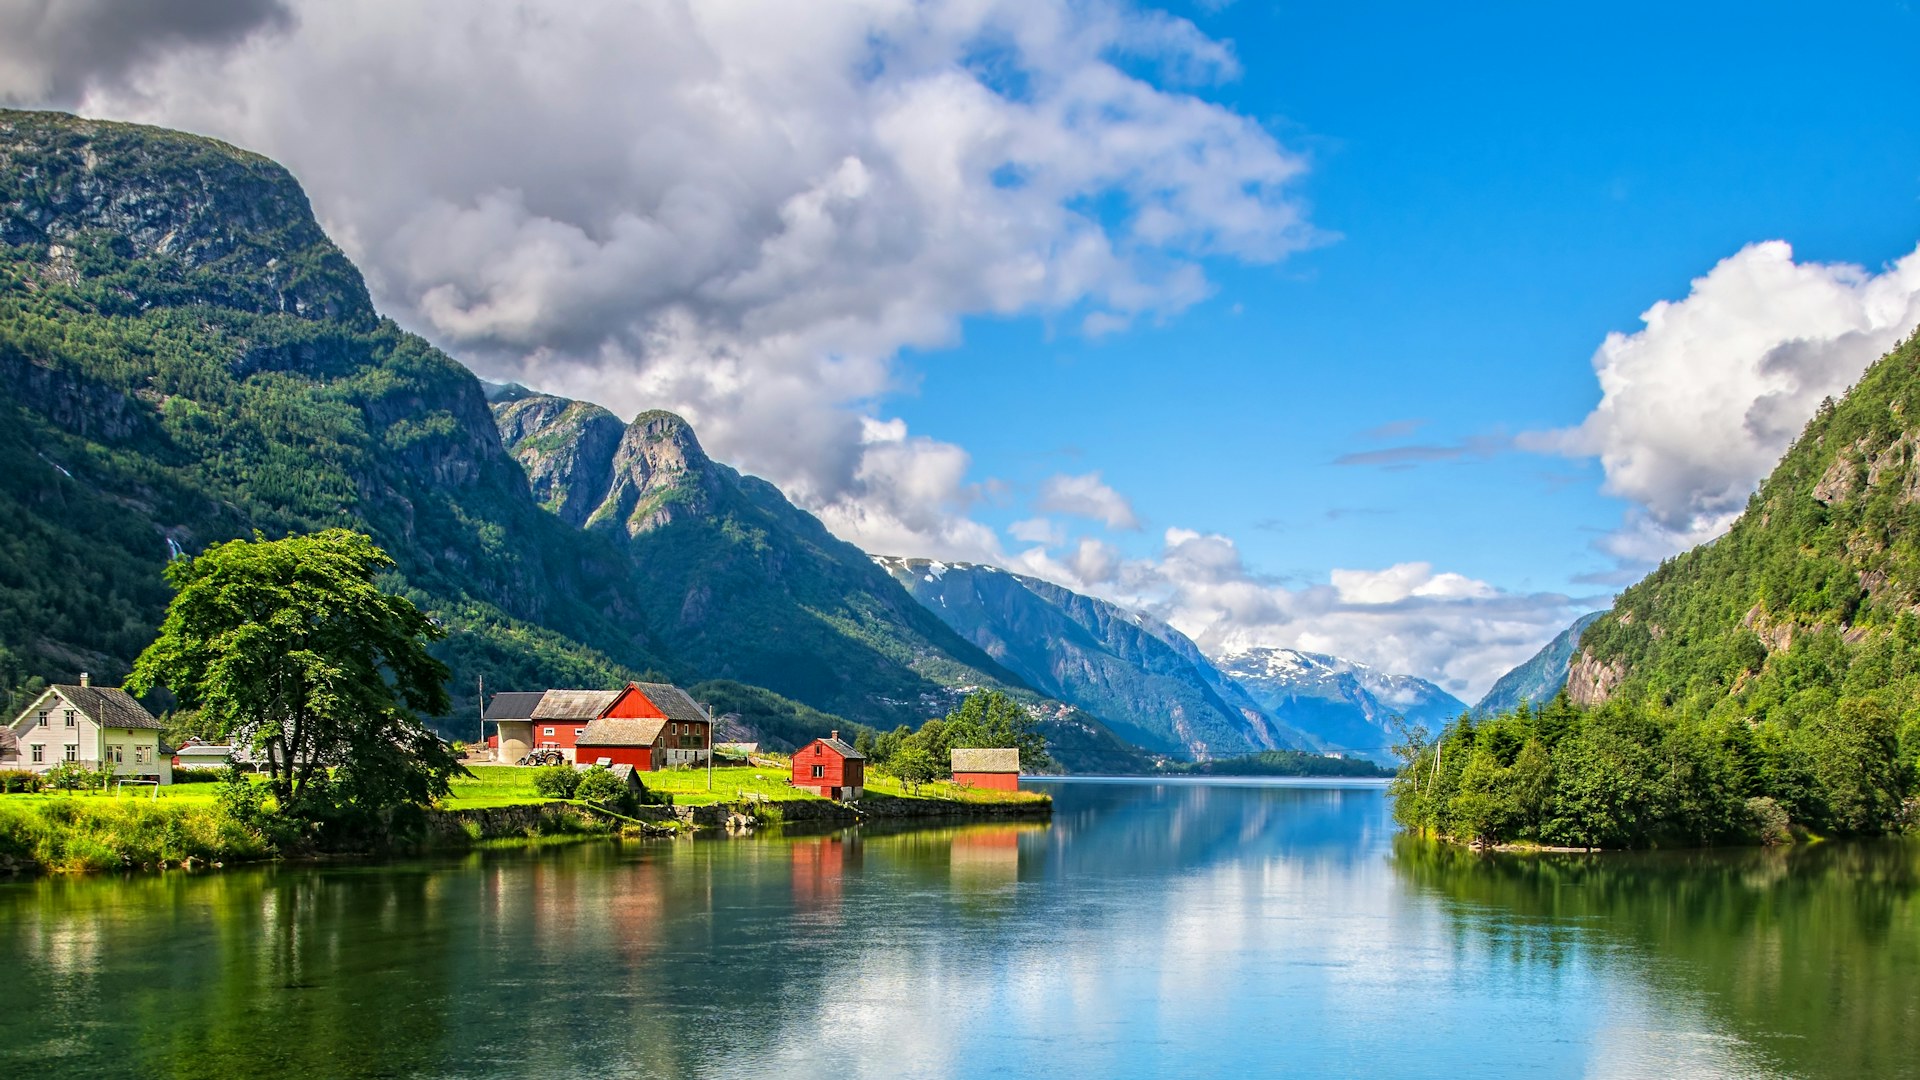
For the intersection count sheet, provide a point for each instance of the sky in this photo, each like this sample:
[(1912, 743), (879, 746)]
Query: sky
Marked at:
[(1402, 332)]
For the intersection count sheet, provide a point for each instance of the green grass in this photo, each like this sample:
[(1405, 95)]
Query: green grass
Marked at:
[(510, 785), (176, 795), (882, 784), (63, 833)]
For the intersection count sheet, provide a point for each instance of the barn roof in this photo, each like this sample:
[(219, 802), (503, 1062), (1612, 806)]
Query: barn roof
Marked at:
[(839, 746), (514, 704), (987, 760), (621, 731), (108, 706), (573, 704), (672, 700)]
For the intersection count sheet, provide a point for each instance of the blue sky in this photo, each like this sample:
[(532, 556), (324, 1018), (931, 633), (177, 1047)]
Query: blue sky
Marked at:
[(1508, 183), (1287, 323)]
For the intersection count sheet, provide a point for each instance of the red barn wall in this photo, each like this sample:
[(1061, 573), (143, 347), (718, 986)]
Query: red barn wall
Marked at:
[(640, 757), (634, 705), (833, 768), (996, 781)]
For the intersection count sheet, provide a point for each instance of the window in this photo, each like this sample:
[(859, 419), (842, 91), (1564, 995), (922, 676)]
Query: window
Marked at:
[(819, 771), (73, 751), (140, 754), (117, 754), (69, 717), (816, 749), (43, 717), (579, 731), (39, 753), (549, 731)]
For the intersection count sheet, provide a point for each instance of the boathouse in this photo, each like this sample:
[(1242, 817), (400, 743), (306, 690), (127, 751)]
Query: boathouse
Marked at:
[(830, 768), (997, 769)]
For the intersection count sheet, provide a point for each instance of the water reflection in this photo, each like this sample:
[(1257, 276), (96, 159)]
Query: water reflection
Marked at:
[(1149, 930)]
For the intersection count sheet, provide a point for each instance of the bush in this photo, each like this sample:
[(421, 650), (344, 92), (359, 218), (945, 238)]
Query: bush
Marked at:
[(1770, 821), (68, 776), (600, 785), (199, 776), (556, 781), (12, 780)]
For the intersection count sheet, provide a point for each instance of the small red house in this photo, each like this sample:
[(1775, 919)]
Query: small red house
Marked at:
[(646, 725), (830, 768), (997, 769)]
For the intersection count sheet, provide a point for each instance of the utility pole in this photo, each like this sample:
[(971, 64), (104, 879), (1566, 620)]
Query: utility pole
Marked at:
[(483, 712), (708, 713)]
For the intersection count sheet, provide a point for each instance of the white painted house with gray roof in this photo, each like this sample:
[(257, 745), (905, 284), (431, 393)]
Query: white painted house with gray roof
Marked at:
[(86, 724)]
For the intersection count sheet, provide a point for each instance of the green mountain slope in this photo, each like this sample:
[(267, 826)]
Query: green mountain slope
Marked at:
[(1541, 676), (740, 583), (185, 357)]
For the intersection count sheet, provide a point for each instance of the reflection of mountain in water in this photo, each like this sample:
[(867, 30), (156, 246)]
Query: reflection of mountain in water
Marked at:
[(1806, 953)]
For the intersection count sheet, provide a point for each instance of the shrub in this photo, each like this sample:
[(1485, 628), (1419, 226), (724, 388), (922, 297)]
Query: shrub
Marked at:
[(600, 785), (556, 781), (69, 776), (1770, 821), (12, 780), (198, 776)]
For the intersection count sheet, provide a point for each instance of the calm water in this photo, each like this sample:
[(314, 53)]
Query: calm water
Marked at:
[(1203, 929)]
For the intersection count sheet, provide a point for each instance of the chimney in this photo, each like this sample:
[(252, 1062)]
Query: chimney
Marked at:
[(85, 679), (835, 736)]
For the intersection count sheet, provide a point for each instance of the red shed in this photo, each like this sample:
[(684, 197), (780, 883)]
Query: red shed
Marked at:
[(562, 717), (998, 769), (830, 768)]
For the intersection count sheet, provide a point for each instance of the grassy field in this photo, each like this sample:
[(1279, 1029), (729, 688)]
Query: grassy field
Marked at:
[(509, 785), (175, 794)]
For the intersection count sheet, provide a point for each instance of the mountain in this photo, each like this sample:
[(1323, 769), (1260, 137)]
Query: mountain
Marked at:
[(185, 357), (1810, 596), (1342, 703), (1146, 680), (1541, 677), (737, 582)]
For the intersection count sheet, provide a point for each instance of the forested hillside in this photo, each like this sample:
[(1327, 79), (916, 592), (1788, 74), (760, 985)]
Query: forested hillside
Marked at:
[(1769, 678)]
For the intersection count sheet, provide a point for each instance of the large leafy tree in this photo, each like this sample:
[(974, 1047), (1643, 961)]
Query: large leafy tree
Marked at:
[(291, 647), (992, 719)]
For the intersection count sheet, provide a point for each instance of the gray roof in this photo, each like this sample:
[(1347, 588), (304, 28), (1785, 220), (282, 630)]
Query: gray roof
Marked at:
[(672, 700), (9, 746), (573, 704), (514, 704), (108, 706), (621, 731), (843, 748), (987, 760)]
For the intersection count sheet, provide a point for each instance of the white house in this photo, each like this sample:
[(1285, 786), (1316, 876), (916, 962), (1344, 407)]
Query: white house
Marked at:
[(87, 724)]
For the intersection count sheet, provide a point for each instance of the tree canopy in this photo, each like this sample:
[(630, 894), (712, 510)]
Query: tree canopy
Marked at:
[(291, 647)]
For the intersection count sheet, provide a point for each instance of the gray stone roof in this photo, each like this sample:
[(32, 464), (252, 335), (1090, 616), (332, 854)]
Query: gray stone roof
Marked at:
[(673, 701), (514, 705), (108, 706), (9, 745), (987, 760), (840, 746), (621, 731), (573, 704)]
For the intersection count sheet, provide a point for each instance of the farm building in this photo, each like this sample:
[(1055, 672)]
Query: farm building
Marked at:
[(996, 769), (194, 754), (511, 714), (645, 725), (87, 724), (563, 715), (830, 768)]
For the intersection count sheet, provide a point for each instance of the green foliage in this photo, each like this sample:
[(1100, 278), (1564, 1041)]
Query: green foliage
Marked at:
[(992, 719), (556, 781), (290, 646), (1281, 763), (64, 835), (914, 764), (68, 776), (781, 723), (21, 780), (600, 785)]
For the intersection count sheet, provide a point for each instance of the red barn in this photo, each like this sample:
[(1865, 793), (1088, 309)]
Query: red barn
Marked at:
[(647, 725), (830, 768), (562, 717), (998, 769)]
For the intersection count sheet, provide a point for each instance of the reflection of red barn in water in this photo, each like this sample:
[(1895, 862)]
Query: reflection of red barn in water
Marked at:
[(985, 857), (819, 863)]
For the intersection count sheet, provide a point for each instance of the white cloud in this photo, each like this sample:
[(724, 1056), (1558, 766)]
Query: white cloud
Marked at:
[(1698, 407), (1086, 496), (1454, 630), (742, 211), (1043, 531)]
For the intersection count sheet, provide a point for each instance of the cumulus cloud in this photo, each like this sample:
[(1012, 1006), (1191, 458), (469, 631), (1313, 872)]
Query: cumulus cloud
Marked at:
[(1698, 407), (1410, 618), (51, 51), (1086, 496), (743, 211)]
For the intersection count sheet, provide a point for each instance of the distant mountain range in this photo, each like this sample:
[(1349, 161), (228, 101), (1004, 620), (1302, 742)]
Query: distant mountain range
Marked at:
[(1344, 704), (1542, 676), (1150, 682)]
